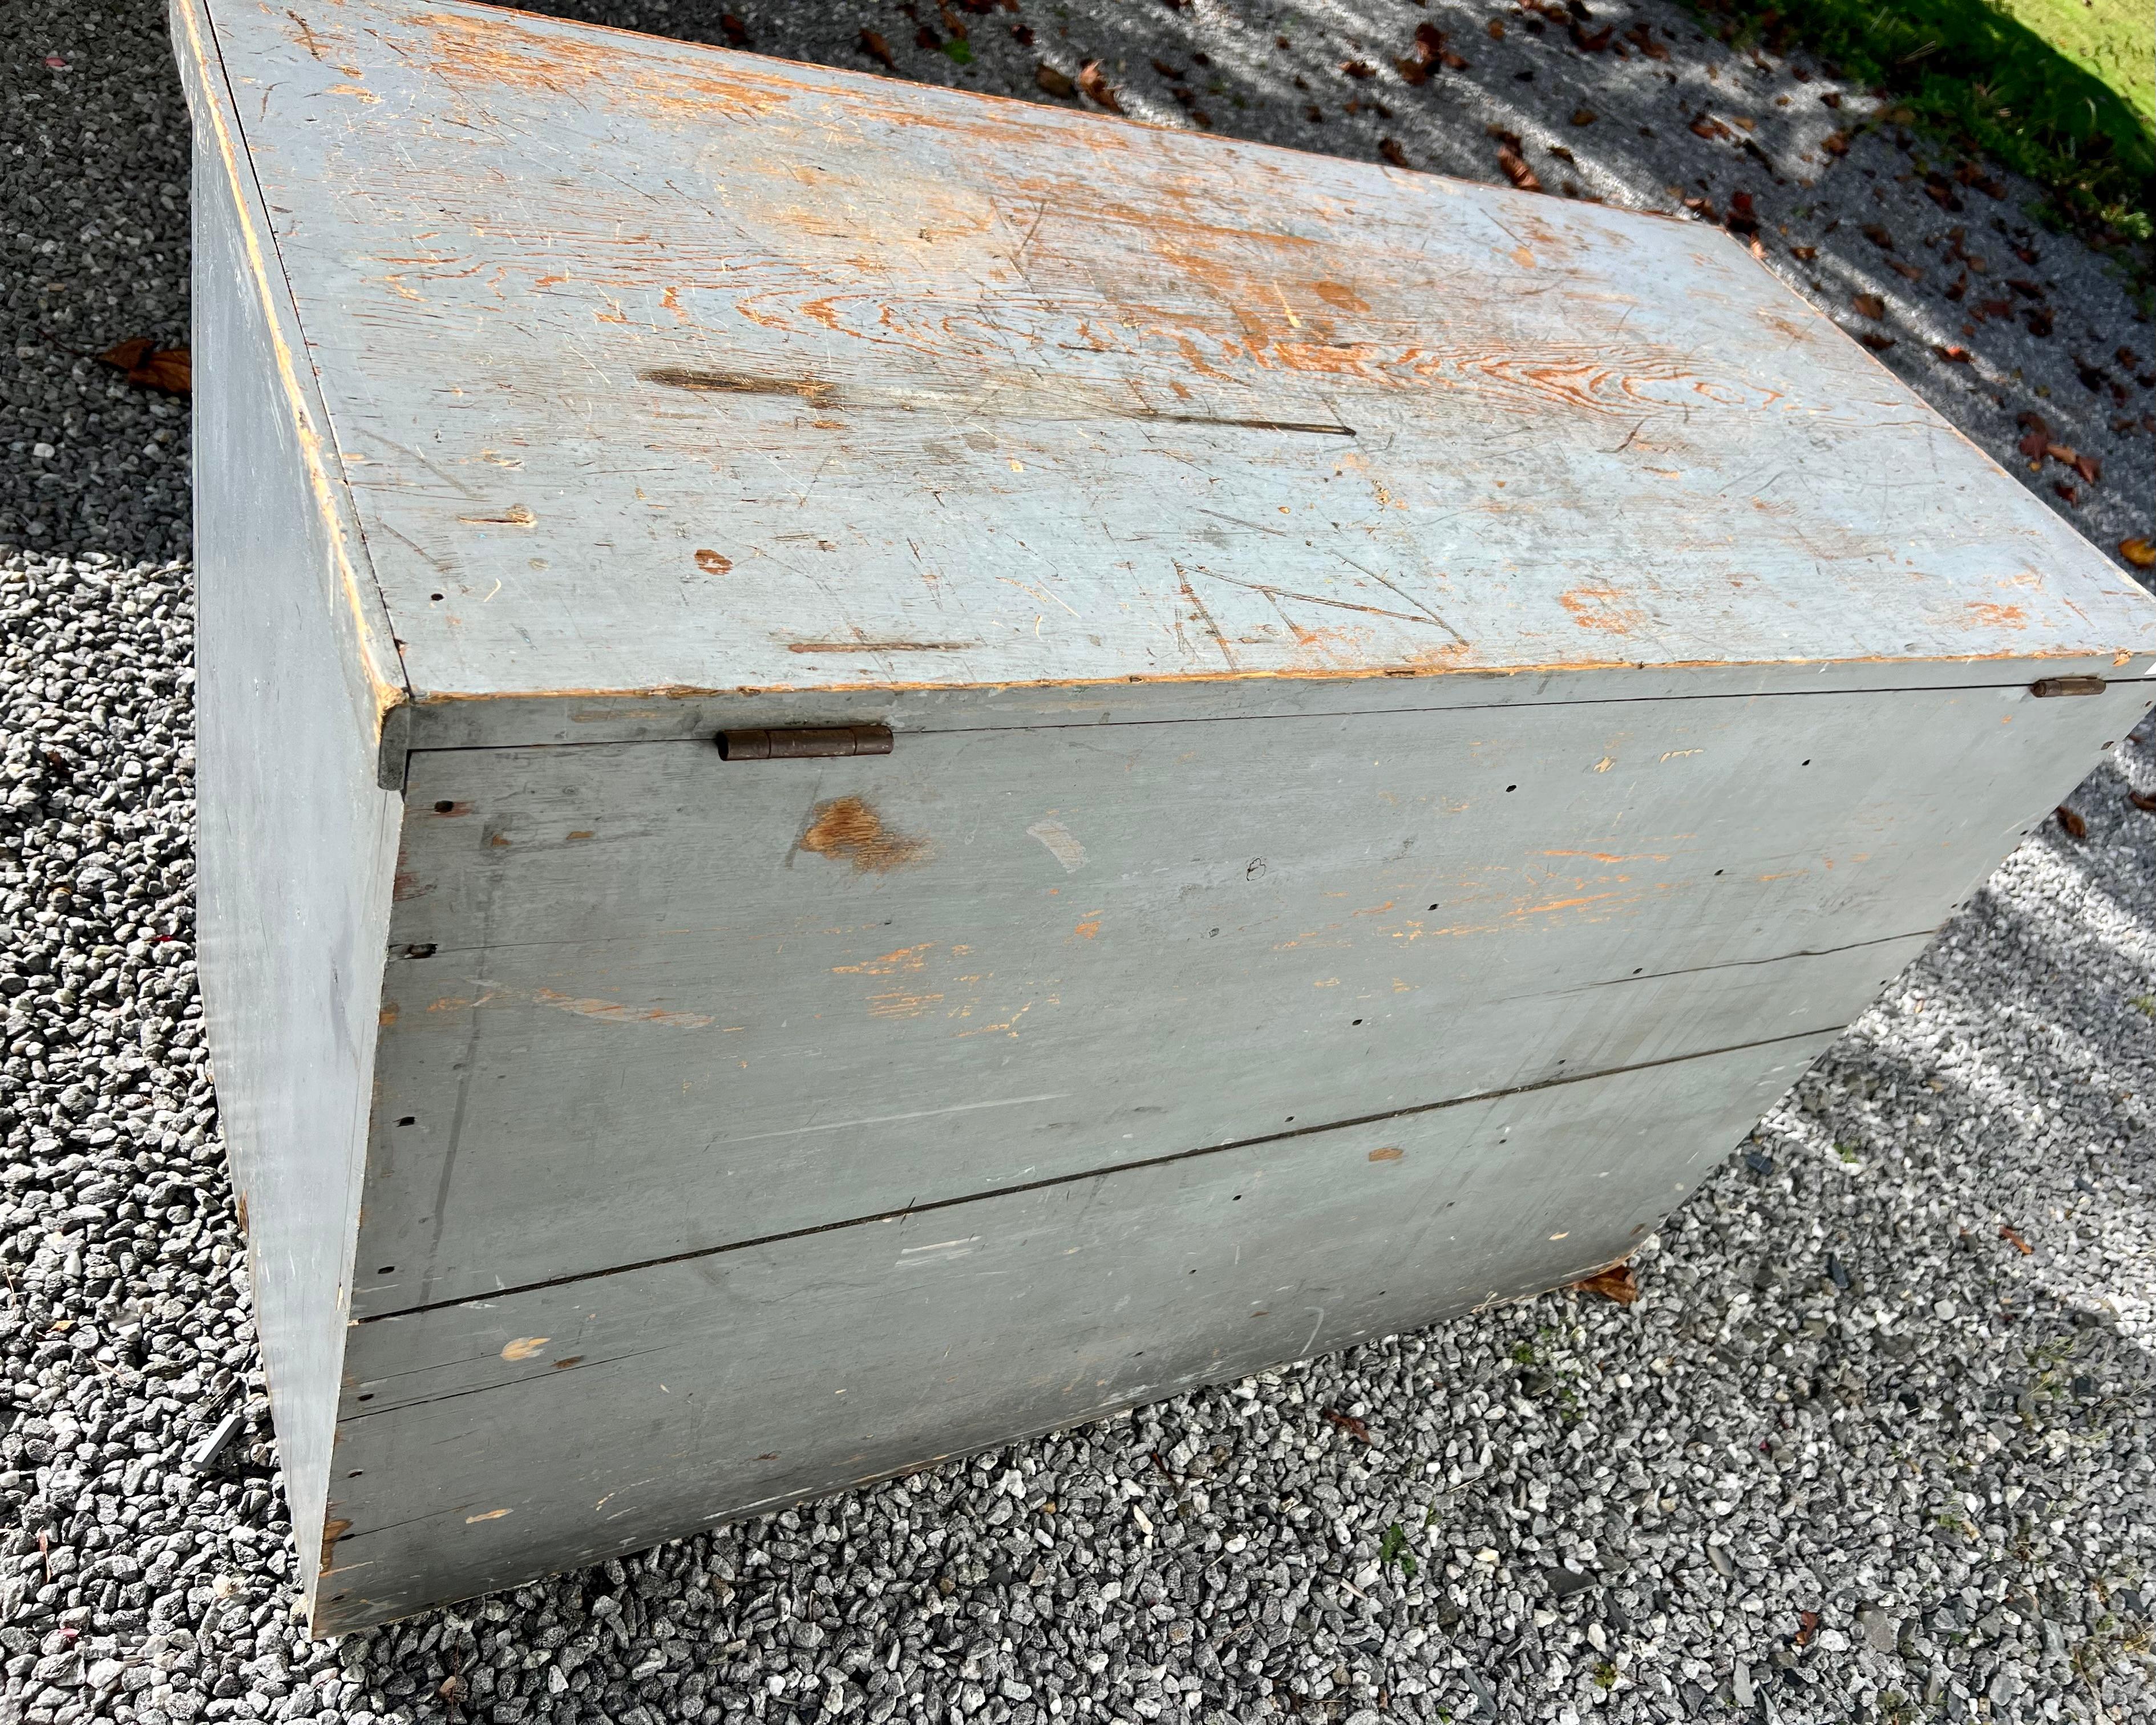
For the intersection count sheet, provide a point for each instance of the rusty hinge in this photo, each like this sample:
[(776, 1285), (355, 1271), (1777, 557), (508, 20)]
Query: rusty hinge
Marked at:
[(806, 743), (2046, 686)]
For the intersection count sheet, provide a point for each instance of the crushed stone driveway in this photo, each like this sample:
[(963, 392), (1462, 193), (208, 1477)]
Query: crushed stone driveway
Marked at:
[(1874, 1443)]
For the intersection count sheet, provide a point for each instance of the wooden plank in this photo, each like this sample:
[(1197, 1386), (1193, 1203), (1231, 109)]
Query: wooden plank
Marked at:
[(658, 368), (669, 1001), (544, 719), (486, 1442), (297, 845)]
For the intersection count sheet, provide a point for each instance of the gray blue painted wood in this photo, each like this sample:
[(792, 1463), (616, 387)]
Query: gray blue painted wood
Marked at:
[(1417, 708)]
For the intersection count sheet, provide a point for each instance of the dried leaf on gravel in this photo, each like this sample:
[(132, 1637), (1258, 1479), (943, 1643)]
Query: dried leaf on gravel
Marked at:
[(2140, 552), (1593, 43), (1878, 236), (1876, 342), (874, 45), (1869, 305), (1055, 83), (2145, 801), (1094, 83), (1390, 150), (1497, 28), (1639, 36), (167, 370), (1585, 117), (1616, 1283), (2087, 466), (1427, 53), (2073, 822), (1808, 1623), (1803, 254), (1835, 143), (2013, 1238), (1349, 1424), (1955, 353), (1359, 69), (1706, 125), (1517, 170)]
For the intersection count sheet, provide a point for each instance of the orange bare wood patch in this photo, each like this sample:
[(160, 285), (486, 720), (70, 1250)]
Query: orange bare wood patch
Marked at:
[(1602, 607), (848, 827), (1616, 1283)]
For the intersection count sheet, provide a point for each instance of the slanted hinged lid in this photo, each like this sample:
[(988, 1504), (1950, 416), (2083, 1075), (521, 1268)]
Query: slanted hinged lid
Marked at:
[(667, 377)]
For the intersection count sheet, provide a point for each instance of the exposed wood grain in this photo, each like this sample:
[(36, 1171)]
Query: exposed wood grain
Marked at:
[(951, 392), (489, 1442)]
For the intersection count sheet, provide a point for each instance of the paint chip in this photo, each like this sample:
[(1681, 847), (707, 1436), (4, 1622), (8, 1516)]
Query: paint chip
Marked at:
[(1062, 844), (491, 1515), (1389, 1153), (523, 1347)]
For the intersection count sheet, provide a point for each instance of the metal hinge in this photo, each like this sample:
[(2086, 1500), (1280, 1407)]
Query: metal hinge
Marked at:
[(2046, 686), (807, 743)]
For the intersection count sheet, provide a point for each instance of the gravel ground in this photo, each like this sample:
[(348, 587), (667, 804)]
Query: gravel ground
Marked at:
[(1875, 1443)]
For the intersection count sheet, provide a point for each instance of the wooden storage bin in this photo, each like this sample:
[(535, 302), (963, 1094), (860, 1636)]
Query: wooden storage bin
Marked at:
[(1412, 711)]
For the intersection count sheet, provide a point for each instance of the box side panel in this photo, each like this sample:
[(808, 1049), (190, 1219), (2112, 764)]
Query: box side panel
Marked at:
[(297, 844), (486, 1443), (656, 1002)]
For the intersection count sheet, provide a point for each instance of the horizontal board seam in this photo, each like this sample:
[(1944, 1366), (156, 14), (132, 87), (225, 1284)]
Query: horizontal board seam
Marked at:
[(1092, 1173), (419, 711)]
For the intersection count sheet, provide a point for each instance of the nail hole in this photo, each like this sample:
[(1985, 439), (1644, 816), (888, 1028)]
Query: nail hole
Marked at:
[(435, 597), (409, 1120), (387, 1270), (443, 807), (1358, 1021), (1512, 788)]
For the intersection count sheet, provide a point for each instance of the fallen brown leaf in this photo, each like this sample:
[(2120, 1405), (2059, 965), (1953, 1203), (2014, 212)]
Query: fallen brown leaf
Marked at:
[(2073, 822), (1876, 342), (1809, 1622), (1094, 83), (2087, 466), (1390, 150), (1907, 272), (2145, 801), (1429, 48), (1957, 354), (2065, 490), (1706, 125), (2014, 1239), (168, 370), (1878, 236), (1359, 69), (1835, 143), (874, 45), (2140, 552), (1616, 1283), (1594, 44), (1585, 117), (1349, 1424), (1870, 305), (1803, 254), (1516, 167), (1639, 38), (1055, 83), (1497, 28)]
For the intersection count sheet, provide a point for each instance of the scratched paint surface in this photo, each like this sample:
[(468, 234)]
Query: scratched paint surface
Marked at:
[(484, 1443), (654, 366), (668, 1002)]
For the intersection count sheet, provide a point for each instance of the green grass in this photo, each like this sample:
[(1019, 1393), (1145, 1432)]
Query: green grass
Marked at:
[(2063, 91)]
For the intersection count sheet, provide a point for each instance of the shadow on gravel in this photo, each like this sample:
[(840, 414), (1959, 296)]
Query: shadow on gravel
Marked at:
[(1856, 1452)]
